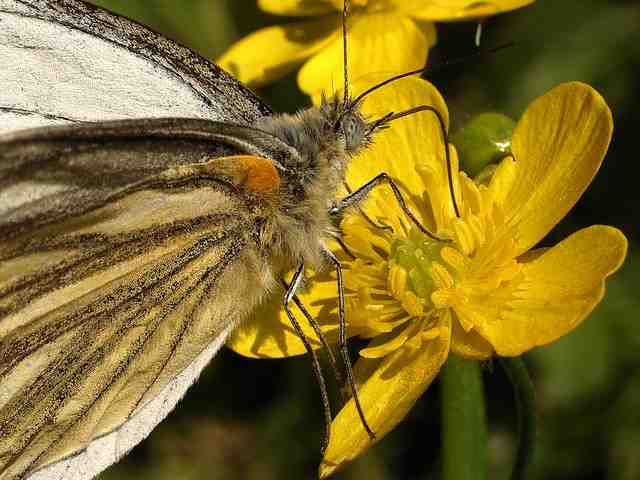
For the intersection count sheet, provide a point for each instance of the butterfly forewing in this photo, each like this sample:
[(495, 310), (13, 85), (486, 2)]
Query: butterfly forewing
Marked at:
[(64, 61)]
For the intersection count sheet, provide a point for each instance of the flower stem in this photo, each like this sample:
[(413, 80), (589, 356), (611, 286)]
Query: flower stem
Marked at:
[(464, 424), (526, 410)]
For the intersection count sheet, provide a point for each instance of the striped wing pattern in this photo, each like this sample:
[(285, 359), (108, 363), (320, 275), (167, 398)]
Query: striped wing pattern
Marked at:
[(120, 258), (108, 313)]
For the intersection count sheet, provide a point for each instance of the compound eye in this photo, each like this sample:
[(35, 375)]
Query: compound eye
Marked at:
[(353, 131), (348, 126)]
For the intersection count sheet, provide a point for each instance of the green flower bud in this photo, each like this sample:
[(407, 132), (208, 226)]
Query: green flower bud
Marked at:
[(484, 140)]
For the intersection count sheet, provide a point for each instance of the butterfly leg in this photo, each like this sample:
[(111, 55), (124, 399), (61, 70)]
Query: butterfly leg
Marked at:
[(343, 246), (380, 226), (361, 193), (318, 330), (342, 342), (317, 370)]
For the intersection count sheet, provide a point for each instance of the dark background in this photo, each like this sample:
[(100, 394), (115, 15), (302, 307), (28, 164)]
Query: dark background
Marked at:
[(251, 419)]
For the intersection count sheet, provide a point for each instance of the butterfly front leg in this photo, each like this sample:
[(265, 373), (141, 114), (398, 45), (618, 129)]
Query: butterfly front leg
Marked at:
[(356, 197)]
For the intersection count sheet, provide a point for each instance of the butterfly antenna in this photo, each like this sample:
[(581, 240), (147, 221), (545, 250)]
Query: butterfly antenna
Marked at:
[(345, 63), (431, 70), (445, 139)]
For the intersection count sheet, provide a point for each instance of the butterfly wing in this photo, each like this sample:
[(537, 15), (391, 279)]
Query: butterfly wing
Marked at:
[(50, 173), (64, 61), (113, 293)]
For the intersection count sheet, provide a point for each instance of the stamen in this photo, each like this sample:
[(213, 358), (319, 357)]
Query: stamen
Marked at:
[(464, 237), (471, 194), (454, 258), (394, 342), (441, 276), (476, 227), (397, 280)]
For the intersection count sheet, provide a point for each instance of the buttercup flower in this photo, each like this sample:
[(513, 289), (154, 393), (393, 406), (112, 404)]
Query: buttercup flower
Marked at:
[(477, 290), (384, 35)]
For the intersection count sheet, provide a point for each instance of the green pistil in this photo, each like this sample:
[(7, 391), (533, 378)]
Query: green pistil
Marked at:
[(415, 255)]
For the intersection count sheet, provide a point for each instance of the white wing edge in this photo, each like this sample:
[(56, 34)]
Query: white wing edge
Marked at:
[(108, 449)]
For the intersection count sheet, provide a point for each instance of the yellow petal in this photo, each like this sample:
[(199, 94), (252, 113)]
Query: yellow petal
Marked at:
[(559, 144), (429, 31), (387, 395), (384, 344), (268, 333), (409, 151), (270, 53), (556, 291), (457, 9), (378, 42), (469, 344), (297, 8)]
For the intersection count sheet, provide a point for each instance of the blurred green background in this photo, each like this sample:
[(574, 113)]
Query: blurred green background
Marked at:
[(248, 419)]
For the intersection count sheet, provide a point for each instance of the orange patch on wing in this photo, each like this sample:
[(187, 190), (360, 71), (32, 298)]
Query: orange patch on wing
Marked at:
[(256, 174), (262, 174)]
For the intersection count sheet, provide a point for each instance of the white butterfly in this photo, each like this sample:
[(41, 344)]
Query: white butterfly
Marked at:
[(155, 205)]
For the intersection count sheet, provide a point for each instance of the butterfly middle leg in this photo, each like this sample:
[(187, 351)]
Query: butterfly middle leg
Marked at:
[(289, 295), (342, 341)]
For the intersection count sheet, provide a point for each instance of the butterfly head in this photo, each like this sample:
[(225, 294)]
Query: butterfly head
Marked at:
[(349, 125)]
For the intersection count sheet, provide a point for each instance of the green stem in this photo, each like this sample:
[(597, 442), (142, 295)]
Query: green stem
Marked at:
[(525, 398), (464, 424)]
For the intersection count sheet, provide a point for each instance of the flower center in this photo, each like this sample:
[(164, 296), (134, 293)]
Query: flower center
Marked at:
[(409, 277), (425, 275), (403, 286)]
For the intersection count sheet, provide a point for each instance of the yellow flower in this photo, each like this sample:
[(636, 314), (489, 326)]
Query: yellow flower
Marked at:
[(480, 290), (384, 35)]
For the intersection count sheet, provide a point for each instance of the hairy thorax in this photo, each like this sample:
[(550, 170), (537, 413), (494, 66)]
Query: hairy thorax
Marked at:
[(301, 222)]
